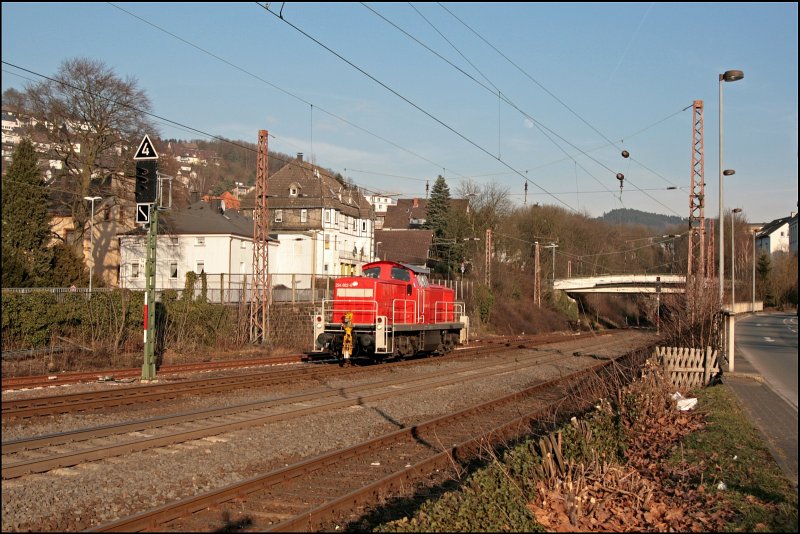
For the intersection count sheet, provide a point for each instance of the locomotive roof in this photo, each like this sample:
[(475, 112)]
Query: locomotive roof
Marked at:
[(416, 269)]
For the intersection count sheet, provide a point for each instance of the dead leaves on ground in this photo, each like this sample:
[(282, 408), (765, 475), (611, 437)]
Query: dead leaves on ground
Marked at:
[(645, 494)]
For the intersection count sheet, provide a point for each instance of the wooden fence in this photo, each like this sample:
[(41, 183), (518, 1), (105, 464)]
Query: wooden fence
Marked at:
[(688, 368)]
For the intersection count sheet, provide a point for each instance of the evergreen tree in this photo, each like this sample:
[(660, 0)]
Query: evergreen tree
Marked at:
[(438, 208), (26, 228), (764, 269)]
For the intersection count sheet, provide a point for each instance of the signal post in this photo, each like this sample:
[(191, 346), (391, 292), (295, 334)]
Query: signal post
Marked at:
[(146, 159)]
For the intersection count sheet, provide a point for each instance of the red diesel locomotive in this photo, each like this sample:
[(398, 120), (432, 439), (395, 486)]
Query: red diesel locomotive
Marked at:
[(391, 311)]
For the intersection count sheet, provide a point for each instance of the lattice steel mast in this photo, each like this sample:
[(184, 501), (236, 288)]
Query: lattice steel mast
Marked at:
[(259, 290), (696, 264)]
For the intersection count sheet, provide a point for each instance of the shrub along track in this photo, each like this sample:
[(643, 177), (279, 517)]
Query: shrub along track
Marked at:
[(336, 486)]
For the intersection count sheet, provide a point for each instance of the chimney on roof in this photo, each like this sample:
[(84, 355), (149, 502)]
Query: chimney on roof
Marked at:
[(299, 156), (217, 205), (194, 196), (416, 203)]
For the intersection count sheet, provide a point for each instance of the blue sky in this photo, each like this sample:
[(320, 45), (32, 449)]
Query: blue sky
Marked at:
[(623, 70)]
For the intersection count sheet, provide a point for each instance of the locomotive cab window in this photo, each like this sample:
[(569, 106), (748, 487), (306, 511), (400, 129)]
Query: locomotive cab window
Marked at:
[(372, 272), (400, 274)]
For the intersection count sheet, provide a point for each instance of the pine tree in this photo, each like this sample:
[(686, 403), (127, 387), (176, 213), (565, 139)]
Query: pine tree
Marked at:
[(438, 208), (26, 229)]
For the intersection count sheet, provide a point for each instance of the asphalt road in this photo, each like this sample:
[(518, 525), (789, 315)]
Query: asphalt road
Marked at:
[(765, 381), (769, 343)]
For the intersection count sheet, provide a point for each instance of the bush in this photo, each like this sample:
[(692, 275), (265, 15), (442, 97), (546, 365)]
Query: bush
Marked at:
[(484, 301)]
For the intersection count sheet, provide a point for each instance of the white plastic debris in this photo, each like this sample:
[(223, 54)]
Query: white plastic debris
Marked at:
[(375, 463), (682, 403), (722, 486)]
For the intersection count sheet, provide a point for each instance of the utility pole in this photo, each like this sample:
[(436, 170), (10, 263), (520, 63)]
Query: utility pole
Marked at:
[(554, 247), (259, 300), (696, 263), (537, 276), (488, 259), (710, 250)]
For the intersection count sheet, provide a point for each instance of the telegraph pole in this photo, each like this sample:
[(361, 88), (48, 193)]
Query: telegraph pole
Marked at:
[(488, 259), (537, 276), (146, 159)]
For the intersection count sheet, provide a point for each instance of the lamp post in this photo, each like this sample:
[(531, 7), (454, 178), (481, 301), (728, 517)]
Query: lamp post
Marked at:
[(727, 76), (733, 260), (91, 242), (753, 304)]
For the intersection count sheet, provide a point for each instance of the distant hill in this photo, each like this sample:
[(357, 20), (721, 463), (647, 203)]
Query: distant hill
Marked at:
[(656, 221)]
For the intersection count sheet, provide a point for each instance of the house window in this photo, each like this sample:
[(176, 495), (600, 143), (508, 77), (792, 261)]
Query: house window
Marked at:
[(303, 216), (278, 215), (201, 267), (173, 270), (243, 243), (293, 191), (134, 270), (327, 242), (327, 216), (173, 241), (200, 241), (363, 226)]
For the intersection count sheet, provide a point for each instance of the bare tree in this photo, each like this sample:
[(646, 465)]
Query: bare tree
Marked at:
[(91, 120)]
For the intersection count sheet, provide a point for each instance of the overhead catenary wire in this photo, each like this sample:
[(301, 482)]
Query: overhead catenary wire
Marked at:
[(494, 90), (158, 117), (411, 103), (311, 105), (282, 90), (540, 126)]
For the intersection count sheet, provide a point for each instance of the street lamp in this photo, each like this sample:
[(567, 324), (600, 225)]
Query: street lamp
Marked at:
[(727, 76), (753, 305), (733, 261), (91, 242)]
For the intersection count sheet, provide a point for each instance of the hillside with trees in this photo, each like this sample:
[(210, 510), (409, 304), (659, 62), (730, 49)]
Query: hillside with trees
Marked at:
[(656, 221)]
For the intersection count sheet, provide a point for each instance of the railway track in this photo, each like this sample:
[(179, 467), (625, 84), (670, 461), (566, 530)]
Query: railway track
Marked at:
[(335, 486), (43, 453), (41, 381), (44, 381), (138, 394), (292, 427)]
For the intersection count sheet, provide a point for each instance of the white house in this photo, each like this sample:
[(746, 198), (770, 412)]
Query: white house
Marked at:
[(201, 238), (793, 234), (774, 236), (324, 227)]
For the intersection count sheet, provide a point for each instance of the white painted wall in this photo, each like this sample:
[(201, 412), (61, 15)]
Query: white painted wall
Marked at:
[(218, 253)]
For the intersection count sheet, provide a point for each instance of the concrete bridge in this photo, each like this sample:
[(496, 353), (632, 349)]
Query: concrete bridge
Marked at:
[(624, 283)]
